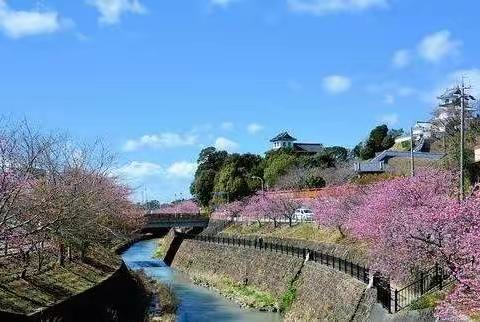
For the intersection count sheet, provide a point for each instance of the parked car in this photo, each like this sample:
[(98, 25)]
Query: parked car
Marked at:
[(303, 214)]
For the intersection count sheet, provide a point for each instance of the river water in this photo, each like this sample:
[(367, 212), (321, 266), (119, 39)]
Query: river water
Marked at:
[(196, 303)]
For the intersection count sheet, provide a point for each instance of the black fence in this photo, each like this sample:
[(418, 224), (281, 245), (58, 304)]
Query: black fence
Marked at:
[(434, 279), (392, 300), (357, 271)]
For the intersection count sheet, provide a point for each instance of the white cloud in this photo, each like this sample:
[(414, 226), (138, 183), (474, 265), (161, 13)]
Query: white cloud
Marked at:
[(111, 11), (389, 119), (17, 24), (335, 84), (324, 7), (227, 126), (225, 144), (437, 46), (402, 58), (139, 169), (254, 128), (162, 140), (182, 169)]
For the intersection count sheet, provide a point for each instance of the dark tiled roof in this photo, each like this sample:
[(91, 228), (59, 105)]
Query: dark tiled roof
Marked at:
[(284, 136), (308, 147)]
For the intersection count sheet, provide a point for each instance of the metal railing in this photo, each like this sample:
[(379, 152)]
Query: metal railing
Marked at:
[(390, 299), (357, 271), (434, 279)]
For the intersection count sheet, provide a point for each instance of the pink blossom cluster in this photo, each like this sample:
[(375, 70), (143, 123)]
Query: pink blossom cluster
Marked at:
[(261, 207), (409, 223), (182, 207)]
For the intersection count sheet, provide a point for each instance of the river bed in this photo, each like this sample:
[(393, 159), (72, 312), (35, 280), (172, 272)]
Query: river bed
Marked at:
[(196, 303)]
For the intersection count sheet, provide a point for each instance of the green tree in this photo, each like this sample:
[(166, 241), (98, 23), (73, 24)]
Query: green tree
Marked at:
[(380, 139), (210, 161), (314, 181), (202, 186), (339, 153), (277, 164), (234, 180)]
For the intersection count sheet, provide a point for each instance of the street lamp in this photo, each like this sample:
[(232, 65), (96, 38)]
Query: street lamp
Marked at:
[(261, 181)]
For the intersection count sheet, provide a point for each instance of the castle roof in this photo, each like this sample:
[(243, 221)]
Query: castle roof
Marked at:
[(284, 136)]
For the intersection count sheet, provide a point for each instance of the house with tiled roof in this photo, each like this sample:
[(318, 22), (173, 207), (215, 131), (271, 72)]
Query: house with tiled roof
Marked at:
[(286, 141)]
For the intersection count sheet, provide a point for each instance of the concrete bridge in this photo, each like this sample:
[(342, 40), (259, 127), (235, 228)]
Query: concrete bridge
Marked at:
[(156, 222)]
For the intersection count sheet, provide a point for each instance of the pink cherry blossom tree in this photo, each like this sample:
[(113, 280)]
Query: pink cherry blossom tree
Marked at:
[(338, 209), (185, 207), (229, 211)]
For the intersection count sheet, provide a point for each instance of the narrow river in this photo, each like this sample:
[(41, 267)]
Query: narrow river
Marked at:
[(196, 303)]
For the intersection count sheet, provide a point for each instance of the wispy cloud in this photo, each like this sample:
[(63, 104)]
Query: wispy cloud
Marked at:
[(111, 11), (159, 141), (402, 58), (222, 3), (17, 23), (335, 84), (138, 170), (225, 144), (254, 128), (389, 99), (142, 170), (182, 169), (437, 46), (227, 126), (325, 7), (433, 48)]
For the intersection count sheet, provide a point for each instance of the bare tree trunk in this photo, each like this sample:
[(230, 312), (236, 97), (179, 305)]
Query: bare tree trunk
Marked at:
[(341, 232), (69, 253), (5, 251)]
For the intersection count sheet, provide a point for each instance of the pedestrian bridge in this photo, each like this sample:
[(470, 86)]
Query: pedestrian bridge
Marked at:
[(155, 221)]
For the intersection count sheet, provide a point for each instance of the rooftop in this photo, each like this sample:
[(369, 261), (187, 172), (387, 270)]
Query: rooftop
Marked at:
[(308, 147), (284, 136)]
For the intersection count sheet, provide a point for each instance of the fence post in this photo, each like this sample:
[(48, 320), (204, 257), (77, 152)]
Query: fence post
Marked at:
[(396, 301)]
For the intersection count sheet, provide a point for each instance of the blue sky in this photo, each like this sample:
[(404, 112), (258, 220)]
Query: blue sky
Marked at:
[(159, 80)]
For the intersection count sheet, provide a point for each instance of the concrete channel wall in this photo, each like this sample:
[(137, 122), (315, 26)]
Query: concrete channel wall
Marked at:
[(322, 293)]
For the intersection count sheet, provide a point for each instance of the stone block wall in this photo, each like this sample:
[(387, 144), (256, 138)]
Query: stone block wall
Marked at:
[(323, 293)]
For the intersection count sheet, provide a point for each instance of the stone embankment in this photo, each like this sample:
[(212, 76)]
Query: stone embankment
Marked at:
[(320, 293), (119, 297)]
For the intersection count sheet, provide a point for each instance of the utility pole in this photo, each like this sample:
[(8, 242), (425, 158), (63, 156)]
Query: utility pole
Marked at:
[(462, 139), (412, 159)]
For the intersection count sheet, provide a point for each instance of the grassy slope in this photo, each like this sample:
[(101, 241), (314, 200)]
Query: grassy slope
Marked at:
[(55, 283), (306, 231)]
